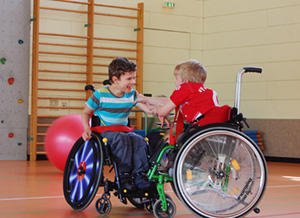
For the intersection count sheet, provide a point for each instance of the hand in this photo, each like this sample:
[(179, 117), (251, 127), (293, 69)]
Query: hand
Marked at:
[(154, 109), (140, 98), (163, 120), (87, 135)]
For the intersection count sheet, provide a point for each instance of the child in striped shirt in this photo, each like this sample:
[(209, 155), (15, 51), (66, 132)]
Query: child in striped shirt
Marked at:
[(112, 104)]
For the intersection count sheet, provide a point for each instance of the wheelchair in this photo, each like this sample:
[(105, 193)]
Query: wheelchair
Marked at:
[(215, 170)]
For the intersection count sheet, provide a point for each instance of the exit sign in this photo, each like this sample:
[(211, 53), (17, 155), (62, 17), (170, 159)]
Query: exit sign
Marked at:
[(169, 4)]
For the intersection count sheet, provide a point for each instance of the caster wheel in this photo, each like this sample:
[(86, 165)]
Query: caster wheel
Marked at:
[(168, 197), (169, 213), (103, 206), (256, 210), (149, 207)]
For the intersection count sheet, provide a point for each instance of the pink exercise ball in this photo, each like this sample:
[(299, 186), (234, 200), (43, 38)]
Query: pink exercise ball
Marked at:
[(60, 138)]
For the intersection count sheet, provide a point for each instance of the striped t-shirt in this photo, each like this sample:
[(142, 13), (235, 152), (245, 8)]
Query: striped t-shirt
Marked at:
[(110, 109)]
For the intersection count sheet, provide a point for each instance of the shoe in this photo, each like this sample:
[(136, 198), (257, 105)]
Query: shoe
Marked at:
[(142, 182), (126, 182)]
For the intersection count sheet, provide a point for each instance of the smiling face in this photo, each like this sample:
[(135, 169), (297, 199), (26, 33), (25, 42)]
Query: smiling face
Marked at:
[(125, 83)]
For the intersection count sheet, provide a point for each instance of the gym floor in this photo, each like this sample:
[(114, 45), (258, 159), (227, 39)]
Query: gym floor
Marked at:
[(34, 189)]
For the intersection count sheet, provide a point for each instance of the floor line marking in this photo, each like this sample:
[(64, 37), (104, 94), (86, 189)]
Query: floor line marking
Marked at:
[(30, 198), (274, 215), (283, 186)]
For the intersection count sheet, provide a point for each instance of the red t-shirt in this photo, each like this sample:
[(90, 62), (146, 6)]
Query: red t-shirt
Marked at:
[(194, 100)]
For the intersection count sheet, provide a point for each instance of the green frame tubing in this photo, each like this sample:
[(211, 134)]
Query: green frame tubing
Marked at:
[(161, 177)]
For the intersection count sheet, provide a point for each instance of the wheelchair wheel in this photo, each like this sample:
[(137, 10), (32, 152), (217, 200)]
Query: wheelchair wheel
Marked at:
[(103, 205), (220, 172), (169, 213), (83, 172)]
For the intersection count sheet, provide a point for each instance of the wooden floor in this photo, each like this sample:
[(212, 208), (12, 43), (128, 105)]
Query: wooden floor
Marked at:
[(34, 189)]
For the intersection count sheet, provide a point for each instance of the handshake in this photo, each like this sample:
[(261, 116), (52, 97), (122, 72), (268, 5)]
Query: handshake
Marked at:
[(158, 106)]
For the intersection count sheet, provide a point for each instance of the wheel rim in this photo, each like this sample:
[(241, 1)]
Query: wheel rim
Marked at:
[(82, 173), (211, 189)]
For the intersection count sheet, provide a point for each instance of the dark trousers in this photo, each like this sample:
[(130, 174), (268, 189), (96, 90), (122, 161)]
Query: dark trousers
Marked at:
[(129, 150)]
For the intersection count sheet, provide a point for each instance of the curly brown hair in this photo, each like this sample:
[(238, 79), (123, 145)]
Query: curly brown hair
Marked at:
[(120, 66)]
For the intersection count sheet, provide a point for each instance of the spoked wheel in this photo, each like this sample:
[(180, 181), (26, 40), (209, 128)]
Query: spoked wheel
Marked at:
[(160, 213), (220, 172), (103, 205), (82, 173)]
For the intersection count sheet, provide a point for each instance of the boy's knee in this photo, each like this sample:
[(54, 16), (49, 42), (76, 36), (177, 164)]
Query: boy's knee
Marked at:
[(138, 140), (117, 139)]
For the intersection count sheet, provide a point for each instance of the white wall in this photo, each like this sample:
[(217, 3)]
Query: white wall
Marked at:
[(225, 36), (262, 33), (171, 36)]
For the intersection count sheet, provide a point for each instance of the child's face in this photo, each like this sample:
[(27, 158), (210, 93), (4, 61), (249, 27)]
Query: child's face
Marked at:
[(126, 81), (178, 81)]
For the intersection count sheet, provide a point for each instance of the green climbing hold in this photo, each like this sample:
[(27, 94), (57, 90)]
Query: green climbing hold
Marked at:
[(3, 60)]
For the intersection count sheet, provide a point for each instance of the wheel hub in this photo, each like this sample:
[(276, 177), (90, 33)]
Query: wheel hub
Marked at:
[(220, 174), (81, 171)]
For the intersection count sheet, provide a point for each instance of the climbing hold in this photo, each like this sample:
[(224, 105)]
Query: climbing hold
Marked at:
[(19, 143), (33, 19), (11, 80), (2, 121), (3, 60), (21, 41), (20, 101), (10, 135), (87, 25)]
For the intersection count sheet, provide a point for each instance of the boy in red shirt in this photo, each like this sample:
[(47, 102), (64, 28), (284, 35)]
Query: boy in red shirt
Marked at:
[(197, 104)]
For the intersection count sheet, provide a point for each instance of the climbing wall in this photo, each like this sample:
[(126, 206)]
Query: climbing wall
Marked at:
[(14, 78)]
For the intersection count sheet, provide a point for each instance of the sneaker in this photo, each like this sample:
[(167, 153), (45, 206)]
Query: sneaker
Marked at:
[(126, 182), (142, 182)]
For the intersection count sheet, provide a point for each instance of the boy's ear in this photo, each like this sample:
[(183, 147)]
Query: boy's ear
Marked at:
[(186, 80), (114, 79)]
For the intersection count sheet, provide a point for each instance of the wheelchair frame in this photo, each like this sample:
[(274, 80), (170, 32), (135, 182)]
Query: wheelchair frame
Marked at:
[(194, 145)]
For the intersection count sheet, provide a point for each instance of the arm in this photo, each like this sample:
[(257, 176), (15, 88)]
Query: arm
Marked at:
[(150, 110), (150, 100), (165, 109), (162, 111), (85, 118), (146, 108)]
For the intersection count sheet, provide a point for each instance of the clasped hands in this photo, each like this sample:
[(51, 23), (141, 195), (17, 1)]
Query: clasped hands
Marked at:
[(154, 106)]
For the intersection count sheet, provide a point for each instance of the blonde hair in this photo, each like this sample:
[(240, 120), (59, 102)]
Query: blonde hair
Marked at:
[(191, 70)]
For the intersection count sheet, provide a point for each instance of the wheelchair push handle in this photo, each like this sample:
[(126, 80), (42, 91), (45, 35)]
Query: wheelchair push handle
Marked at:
[(239, 82), (89, 87), (252, 70), (92, 88)]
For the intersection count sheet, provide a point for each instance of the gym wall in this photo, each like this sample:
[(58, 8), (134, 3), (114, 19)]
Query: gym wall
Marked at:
[(262, 34), (14, 78), (227, 36)]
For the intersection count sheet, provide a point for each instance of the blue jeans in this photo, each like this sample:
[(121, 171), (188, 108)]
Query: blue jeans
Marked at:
[(129, 151)]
